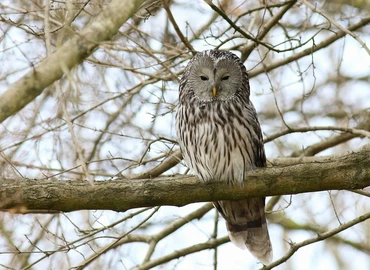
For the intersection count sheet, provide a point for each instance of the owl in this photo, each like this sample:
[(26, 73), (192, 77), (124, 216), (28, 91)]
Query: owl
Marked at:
[(220, 139)]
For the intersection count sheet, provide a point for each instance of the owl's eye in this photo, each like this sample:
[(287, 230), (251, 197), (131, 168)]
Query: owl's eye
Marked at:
[(225, 78), (204, 78)]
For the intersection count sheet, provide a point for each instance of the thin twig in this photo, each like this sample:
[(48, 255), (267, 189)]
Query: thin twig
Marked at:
[(333, 22), (294, 247), (176, 27)]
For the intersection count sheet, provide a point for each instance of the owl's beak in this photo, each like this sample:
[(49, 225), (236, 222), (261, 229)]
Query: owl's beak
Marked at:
[(214, 91)]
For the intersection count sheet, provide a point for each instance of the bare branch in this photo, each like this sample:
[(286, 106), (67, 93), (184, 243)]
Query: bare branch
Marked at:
[(322, 173), (176, 27), (309, 51), (101, 28), (295, 246), (332, 21)]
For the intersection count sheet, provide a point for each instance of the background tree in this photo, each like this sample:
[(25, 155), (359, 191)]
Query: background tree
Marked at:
[(88, 91)]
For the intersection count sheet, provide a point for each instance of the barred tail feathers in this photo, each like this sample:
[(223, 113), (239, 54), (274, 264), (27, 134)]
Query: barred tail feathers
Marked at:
[(246, 225)]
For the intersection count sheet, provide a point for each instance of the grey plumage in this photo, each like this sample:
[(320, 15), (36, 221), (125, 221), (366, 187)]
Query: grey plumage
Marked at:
[(220, 138)]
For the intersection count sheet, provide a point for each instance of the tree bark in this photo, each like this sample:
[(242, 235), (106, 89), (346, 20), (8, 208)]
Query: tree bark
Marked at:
[(351, 171)]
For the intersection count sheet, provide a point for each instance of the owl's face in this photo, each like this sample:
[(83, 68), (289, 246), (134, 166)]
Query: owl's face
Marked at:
[(214, 76)]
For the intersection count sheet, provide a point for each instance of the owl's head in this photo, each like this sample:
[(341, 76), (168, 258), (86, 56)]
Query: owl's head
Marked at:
[(215, 75)]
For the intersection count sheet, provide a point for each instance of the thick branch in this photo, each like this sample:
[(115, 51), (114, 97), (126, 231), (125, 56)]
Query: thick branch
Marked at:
[(349, 171), (101, 28)]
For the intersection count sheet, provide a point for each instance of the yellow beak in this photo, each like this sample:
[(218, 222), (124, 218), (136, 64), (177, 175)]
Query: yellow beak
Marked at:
[(214, 91)]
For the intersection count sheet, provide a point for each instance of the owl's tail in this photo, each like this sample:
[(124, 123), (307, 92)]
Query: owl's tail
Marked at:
[(246, 224)]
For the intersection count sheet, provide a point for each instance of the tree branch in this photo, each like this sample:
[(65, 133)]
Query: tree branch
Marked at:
[(308, 51), (101, 28), (295, 246), (349, 171)]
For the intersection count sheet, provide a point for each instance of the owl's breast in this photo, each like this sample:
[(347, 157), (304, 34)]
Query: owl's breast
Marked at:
[(216, 149)]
